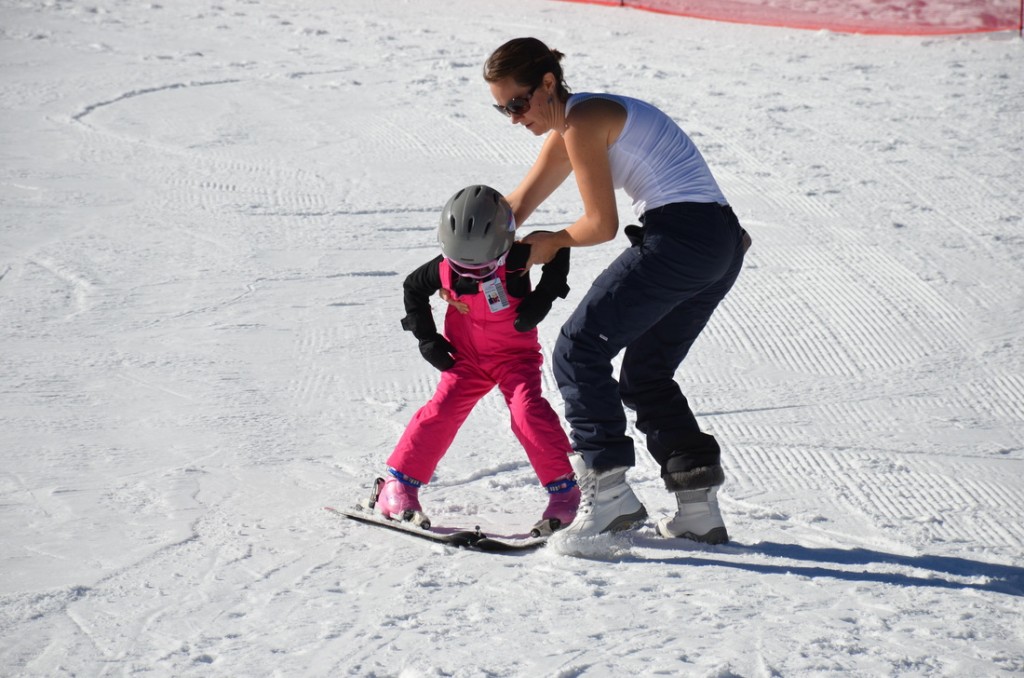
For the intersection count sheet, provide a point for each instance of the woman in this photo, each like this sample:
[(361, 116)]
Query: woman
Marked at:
[(654, 298)]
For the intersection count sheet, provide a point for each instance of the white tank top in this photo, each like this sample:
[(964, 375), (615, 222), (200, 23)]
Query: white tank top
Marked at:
[(653, 160)]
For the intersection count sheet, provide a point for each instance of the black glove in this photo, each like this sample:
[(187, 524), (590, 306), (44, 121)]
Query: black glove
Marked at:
[(437, 351), (635, 234), (532, 309)]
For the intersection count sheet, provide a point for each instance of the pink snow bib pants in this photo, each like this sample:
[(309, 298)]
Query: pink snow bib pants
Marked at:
[(489, 352)]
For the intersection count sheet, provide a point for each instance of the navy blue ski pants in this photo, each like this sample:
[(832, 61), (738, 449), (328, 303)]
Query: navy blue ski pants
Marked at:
[(653, 301)]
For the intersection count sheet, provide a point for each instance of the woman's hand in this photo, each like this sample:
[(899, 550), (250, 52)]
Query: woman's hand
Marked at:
[(543, 247)]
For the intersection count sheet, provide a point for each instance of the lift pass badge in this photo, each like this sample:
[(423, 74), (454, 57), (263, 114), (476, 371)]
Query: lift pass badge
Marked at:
[(494, 291)]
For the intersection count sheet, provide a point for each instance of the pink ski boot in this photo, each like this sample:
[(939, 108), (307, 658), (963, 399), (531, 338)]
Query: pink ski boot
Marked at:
[(398, 499), (563, 501)]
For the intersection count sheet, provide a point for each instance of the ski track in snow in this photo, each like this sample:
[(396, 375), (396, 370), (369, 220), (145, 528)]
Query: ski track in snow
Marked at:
[(208, 211)]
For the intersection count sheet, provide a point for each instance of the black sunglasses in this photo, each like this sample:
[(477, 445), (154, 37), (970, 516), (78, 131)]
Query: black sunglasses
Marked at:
[(516, 105)]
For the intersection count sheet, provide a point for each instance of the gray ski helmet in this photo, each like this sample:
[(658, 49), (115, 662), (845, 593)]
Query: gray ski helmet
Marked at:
[(477, 226)]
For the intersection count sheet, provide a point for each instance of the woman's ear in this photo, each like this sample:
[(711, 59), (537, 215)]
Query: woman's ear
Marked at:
[(550, 84)]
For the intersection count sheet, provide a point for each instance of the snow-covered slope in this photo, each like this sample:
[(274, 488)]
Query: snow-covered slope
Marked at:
[(206, 213)]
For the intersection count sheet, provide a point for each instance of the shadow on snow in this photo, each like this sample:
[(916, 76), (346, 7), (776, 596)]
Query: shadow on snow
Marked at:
[(993, 577)]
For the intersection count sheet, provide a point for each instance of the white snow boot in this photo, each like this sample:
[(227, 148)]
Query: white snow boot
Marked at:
[(607, 502), (697, 518)]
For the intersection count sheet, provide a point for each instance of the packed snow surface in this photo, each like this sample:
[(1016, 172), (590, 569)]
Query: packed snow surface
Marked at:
[(207, 211)]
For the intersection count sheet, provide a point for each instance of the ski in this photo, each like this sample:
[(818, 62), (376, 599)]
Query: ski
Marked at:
[(459, 538)]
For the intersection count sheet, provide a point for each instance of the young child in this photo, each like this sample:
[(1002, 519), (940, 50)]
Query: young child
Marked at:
[(490, 338)]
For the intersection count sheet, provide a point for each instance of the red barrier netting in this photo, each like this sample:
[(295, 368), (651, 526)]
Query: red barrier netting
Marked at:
[(885, 17)]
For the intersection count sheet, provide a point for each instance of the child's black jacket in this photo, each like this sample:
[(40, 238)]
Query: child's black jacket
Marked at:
[(425, 281)]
